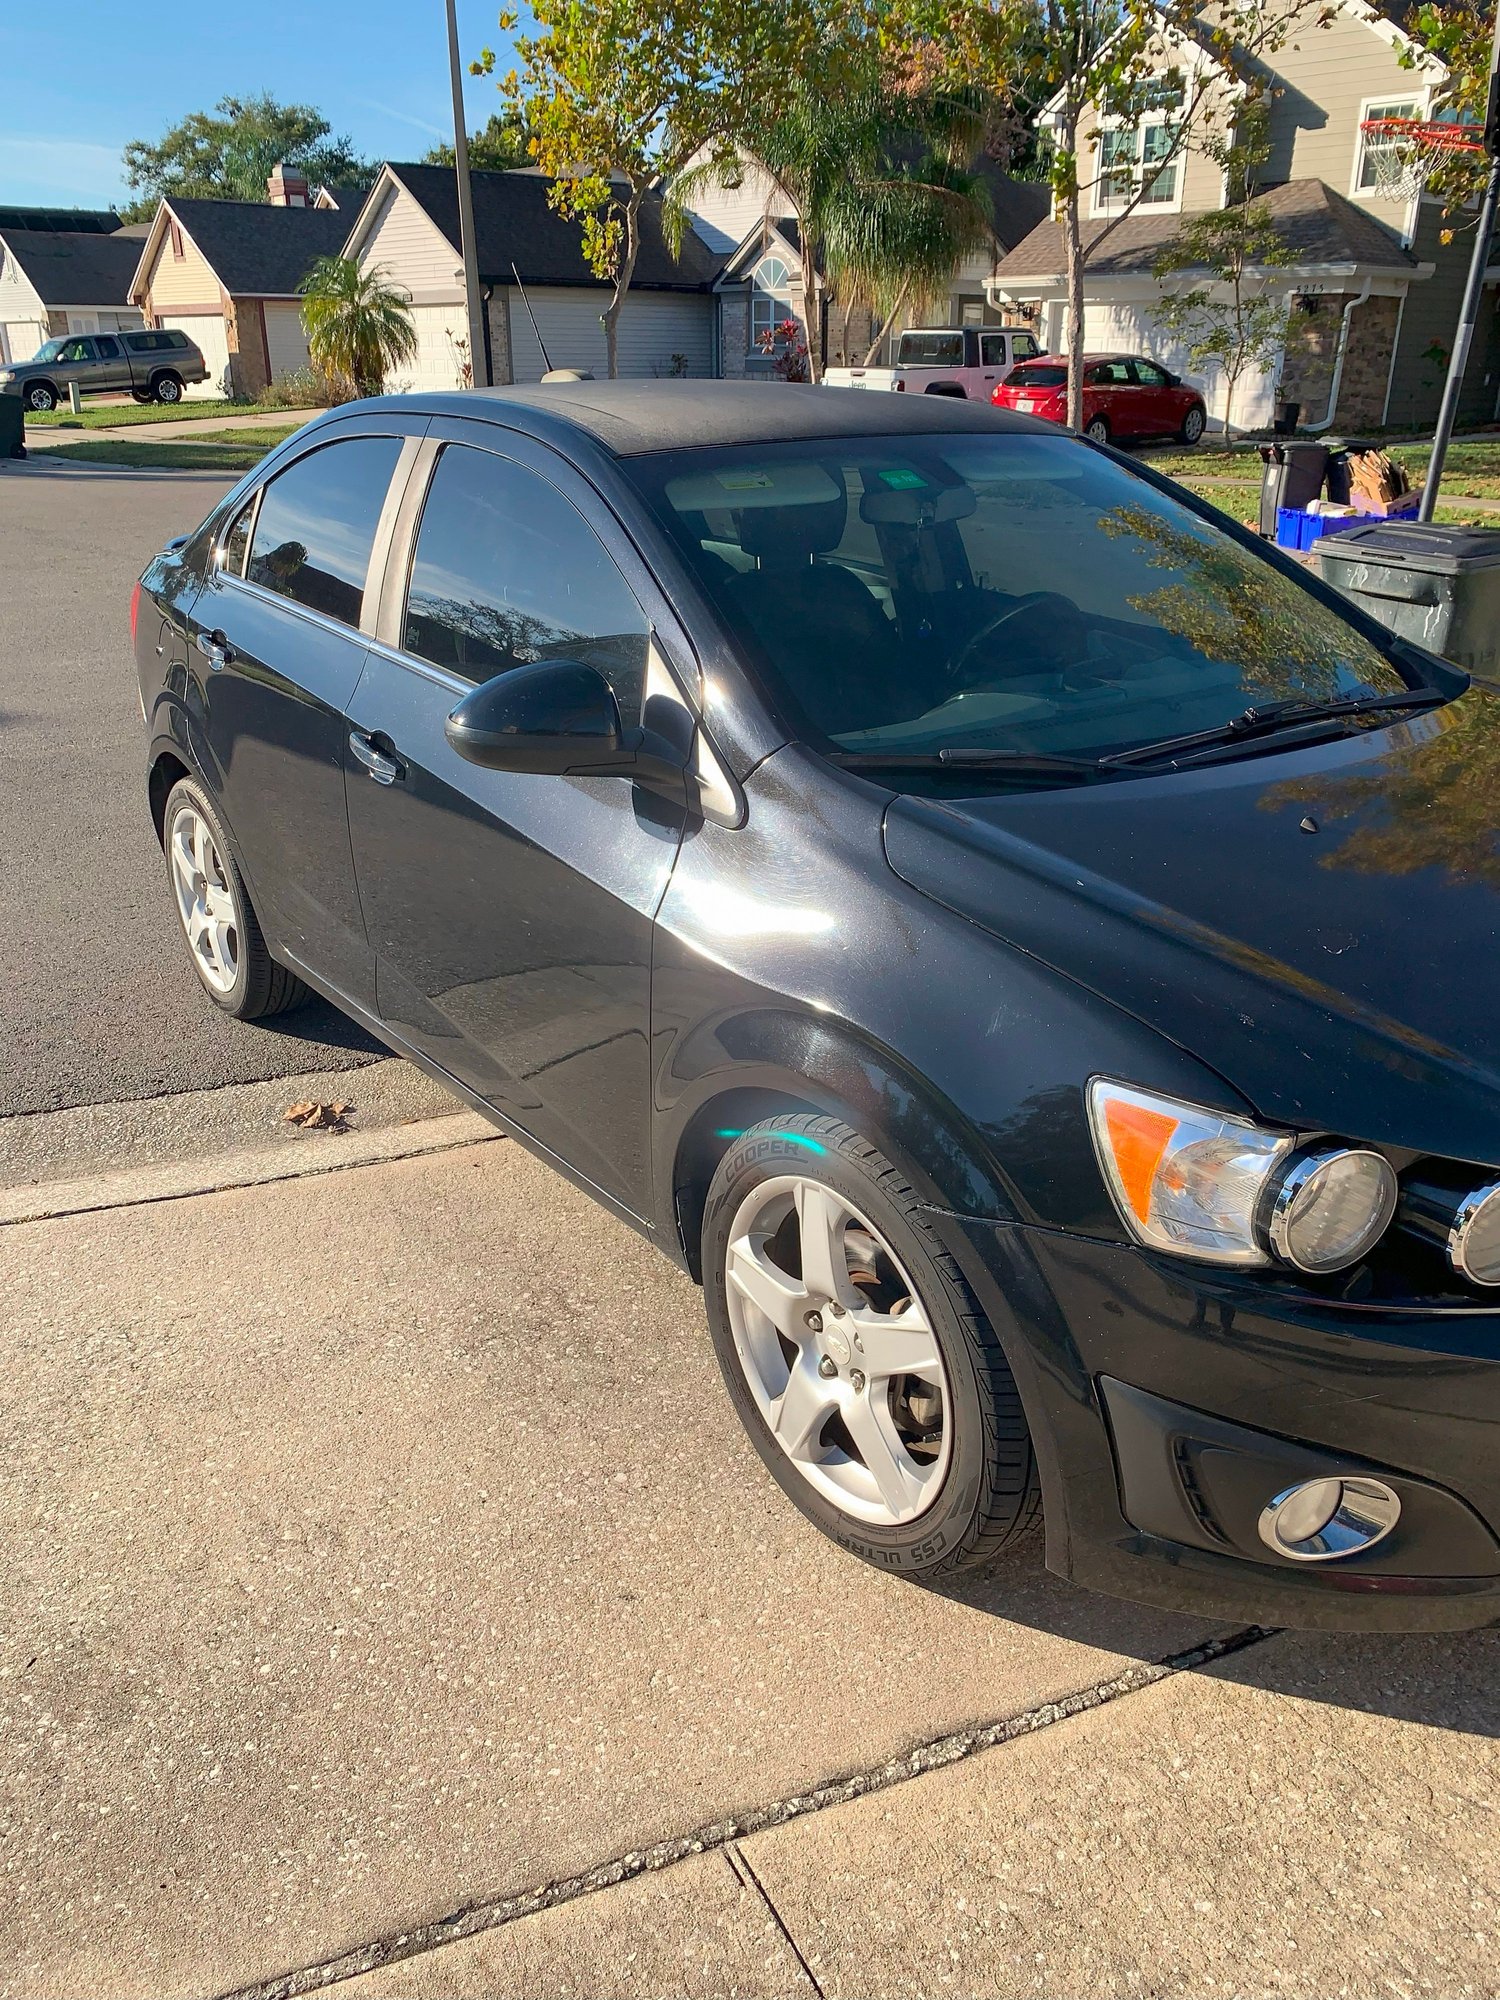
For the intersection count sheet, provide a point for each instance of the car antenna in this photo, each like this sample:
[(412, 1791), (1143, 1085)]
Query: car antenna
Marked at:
[(546, 357)]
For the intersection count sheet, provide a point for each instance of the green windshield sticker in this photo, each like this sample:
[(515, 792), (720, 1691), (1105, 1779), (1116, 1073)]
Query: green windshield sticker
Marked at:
[(901, 478)]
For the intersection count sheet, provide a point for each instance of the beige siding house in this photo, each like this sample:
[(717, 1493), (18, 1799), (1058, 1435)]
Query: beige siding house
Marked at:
[(1373, 291), (531, 269)]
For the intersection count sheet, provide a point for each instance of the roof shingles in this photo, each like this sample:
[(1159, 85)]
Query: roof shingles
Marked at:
[(260, 250)]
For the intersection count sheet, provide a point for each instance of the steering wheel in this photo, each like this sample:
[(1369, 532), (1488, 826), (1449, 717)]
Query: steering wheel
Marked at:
[(1062, 611)]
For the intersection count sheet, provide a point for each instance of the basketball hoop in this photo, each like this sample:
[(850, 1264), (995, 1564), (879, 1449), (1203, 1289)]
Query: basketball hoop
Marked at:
[(1404, 153)]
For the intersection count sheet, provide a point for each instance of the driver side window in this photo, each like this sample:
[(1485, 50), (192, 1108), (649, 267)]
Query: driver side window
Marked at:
[(508, 571)]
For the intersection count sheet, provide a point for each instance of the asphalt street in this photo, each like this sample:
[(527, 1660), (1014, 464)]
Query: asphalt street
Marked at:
[(97, 1000)]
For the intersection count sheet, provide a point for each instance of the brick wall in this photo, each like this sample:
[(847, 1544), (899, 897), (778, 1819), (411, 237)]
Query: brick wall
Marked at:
[(247, 346), (734, 334), (1367, 364)]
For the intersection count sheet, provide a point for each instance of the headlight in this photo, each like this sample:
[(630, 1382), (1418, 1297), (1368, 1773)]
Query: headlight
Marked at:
[(6, 375), (1205, 1184)]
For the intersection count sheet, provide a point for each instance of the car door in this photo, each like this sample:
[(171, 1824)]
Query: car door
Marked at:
[(276, 647), (1108, 392), (511, 914), (1156, 399), (74, 363), (991, 361), (113, 370)]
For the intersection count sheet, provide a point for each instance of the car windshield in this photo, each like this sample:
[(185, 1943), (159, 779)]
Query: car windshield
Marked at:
[(1017, 594), (49, 350), (930, 350)]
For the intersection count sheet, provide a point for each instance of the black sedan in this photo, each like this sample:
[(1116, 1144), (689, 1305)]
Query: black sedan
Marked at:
[(1028, 950)]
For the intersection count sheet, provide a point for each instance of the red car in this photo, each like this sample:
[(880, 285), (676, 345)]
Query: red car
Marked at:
[(1124, 396)]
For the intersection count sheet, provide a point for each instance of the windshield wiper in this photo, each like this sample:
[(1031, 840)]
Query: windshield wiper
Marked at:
[(1024, 763), (1275, 715)]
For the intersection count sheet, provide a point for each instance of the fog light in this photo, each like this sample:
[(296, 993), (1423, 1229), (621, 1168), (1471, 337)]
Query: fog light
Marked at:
[(1330, 1208), (1323, 1520), (1464, 1223)]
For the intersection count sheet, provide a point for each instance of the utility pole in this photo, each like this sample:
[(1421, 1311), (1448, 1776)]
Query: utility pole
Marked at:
[(1473, 291), (478, 346)]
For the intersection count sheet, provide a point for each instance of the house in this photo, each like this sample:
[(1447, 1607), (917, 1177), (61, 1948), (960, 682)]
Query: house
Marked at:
[(750, 221), (1373, 291), (57, 281), (538, 291), (228, 274)]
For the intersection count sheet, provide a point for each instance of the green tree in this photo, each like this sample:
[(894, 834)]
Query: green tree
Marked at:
[(617, 94), (227, 154), (501, 145), (1234, 315), (1118, 59), (359, 326)]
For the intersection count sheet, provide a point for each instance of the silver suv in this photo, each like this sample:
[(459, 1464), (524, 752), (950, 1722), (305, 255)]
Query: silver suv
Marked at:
[(154, 364)]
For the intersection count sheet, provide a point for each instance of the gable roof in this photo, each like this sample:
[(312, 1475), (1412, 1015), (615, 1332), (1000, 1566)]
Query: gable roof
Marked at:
[(1318, 226), (255, 249), (513, 222), (75, 269)]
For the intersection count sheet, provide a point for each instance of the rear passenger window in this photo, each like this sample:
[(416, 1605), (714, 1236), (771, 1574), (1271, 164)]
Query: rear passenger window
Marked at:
[(508, 571), (317, 524), (107, 349)]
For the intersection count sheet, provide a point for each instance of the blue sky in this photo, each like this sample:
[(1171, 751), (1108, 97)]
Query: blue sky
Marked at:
[(75, 86)]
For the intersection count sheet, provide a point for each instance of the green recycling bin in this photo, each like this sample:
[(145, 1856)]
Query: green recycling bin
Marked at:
[(1439, 587), (12, 427)]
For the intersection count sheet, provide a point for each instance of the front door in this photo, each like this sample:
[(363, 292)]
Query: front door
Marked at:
[(275, 653), (511, 915)]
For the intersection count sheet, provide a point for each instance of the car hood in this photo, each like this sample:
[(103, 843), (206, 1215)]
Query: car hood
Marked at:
[(1320, 926)]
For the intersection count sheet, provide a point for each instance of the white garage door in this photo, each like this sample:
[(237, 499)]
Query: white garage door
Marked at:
[(442, 348), (654, 327), (20, 339), (286, 343), (208, 332)]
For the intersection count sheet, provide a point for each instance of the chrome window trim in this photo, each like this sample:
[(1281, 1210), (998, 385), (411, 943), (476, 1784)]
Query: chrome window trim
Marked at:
[(305, 611)]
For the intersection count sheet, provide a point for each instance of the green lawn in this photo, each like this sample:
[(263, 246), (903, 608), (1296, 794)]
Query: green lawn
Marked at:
[(106, 416), (1243, 503), (1472, 470), (214, 451)]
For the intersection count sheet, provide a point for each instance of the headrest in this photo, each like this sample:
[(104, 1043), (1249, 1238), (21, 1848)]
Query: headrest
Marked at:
[(916, 506), (788, 536)]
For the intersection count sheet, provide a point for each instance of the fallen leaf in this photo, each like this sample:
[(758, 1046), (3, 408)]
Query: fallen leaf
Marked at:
[(311, 1116)]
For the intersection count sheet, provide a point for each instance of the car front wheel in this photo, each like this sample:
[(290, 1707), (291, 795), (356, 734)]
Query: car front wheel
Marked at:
[(167, 389), (219, 925), (1194, 424), (856, 1356), (41, 396)]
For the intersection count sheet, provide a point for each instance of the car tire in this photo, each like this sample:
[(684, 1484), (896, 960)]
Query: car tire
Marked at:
[(219, 925), (140, 396), (1097, 428), (167, 387), (41, 396), (1194, 424), (922, 1474)]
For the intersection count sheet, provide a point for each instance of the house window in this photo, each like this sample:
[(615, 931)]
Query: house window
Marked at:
[(1134, 148), (174, 230), (1374, 149), (770, 299)]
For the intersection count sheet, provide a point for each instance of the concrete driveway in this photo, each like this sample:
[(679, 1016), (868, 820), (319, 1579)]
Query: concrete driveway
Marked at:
[(390, 1592), (96, 1000)]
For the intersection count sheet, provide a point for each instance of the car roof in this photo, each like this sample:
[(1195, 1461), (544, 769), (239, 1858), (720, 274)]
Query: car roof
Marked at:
[(626, 419)]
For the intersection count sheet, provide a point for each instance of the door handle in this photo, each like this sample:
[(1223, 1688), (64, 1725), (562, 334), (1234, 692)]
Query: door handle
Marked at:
[(381, 765), (216, 649)]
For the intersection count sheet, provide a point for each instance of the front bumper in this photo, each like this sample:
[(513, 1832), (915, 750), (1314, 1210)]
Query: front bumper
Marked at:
[(1139, 1372)]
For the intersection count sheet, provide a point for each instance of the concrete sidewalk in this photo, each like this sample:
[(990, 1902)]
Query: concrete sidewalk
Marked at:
[(45, 437), (381, 1547)]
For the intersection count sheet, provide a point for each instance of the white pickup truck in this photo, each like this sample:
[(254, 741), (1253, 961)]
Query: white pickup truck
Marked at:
[(945, 361)]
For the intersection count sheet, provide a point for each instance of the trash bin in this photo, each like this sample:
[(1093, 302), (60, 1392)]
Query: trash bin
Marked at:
[(1336, 478), (1437, 586), (12, 427), (1293, 474)]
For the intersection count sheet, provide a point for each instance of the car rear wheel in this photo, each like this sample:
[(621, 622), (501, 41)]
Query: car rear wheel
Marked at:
[(857, 1358), (219, 925), (167, 388), (1097, 428), (41, 396), (1194, 424)]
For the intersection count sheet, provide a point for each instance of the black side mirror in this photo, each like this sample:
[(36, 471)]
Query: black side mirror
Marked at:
[(559, 718)]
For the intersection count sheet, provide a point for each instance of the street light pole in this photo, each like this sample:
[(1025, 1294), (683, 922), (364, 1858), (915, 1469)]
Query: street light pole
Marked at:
[(1468, 319), (478, 346)]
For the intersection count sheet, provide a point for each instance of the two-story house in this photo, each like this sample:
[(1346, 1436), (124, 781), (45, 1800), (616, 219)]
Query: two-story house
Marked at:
[(1373, 290)]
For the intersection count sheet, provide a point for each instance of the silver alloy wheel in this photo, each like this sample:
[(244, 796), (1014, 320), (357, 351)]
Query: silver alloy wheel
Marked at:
[(1098, 430), (204, 901), (168, 390), (837, 1351), (41, 399), (1193, 426)]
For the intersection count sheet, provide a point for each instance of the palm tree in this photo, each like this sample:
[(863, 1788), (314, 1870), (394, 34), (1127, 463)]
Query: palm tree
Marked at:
[(358, 325)]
